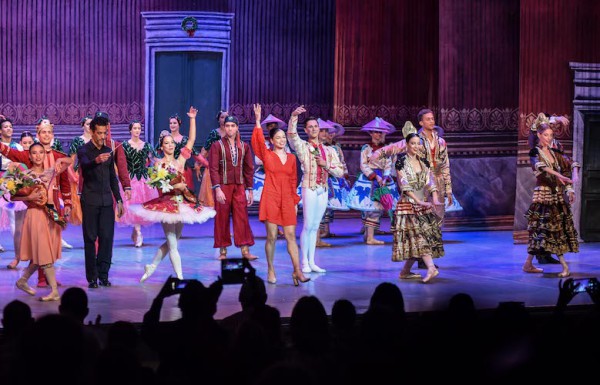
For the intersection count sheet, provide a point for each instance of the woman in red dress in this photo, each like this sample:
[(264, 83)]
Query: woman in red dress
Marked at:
[(279, 198)]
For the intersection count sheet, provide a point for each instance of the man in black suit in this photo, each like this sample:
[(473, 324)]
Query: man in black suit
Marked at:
[(100, 185)]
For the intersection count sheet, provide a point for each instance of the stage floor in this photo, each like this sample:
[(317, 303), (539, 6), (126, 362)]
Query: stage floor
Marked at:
[(486, 265)]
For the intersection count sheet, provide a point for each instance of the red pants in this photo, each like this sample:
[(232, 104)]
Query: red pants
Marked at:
[(236, 205)]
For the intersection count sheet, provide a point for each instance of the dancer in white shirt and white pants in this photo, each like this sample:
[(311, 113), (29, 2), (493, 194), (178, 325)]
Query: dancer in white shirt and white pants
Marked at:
[(318, 161)]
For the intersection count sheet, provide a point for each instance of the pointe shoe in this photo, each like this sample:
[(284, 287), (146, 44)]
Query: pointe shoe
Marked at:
[(223, 253), (246, 254), (316, 269), (532, 269), (375, 242), (409, 275), (297, 279), (13, 264), (323, 244), (271, 279), (50, 297), (430, 275), (22, 285), (65, 244), (149, 271)]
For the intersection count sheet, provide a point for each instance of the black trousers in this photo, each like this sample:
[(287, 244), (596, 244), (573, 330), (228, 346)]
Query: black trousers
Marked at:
[(98, 223)]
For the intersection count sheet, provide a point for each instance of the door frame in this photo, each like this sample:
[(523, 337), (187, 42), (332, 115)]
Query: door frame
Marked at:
[(164, 34), (586, 99)]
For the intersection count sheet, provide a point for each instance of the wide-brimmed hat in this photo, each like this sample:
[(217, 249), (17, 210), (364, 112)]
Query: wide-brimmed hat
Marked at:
[(379, 125), (273, 119), (337, 129), (324, 125)]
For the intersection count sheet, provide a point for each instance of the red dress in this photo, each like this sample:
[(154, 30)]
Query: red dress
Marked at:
[(279, 198)]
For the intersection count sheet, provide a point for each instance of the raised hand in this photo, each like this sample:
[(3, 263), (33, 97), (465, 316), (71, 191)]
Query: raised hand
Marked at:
[(298, 111), (257, 113), (192, 112)]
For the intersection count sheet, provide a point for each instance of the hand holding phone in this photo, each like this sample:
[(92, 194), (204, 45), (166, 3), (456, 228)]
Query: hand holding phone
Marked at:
[(584, 283)]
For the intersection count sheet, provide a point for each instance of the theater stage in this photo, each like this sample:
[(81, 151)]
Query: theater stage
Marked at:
[(486, 265)]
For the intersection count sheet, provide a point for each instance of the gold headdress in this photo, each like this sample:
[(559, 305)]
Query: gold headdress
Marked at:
[(408, 129), (541, 119)]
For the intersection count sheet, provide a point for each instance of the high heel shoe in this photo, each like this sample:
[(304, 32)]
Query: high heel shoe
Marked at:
[(272, 280), (13, 264), (298, 280), (430, 275), (149, 270)]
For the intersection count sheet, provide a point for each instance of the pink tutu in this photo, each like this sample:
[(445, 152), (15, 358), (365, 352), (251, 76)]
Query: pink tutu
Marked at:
[(140, 193)]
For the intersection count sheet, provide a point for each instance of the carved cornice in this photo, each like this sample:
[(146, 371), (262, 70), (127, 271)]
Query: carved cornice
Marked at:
[(65, 114), (479, 119)]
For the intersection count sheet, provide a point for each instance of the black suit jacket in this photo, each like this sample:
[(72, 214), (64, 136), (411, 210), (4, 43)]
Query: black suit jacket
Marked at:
[(100, 182)]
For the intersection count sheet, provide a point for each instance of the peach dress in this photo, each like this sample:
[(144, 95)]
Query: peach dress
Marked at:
[(41, 240)]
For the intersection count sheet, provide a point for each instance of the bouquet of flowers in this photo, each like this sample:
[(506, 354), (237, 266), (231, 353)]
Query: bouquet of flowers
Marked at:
[(18, 180), (160, 177)]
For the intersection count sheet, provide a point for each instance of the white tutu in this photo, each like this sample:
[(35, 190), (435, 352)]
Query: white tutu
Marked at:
[(186, 214)]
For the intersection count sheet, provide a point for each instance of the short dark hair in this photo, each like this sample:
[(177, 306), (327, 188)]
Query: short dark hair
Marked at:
[(5, 120), (98, 121), (311, 118), (423, 112)]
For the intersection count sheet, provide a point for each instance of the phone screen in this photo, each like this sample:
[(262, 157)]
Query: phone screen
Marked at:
[(583, 283)]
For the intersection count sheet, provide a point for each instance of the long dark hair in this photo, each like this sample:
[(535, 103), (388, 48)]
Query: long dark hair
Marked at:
[(402, 160), (274, 131)]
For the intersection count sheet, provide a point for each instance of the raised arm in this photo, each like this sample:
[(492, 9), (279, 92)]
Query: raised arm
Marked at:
[(294, 139), (390, 150), (186, 151), (15, 155), (192, 134), (258, 139)]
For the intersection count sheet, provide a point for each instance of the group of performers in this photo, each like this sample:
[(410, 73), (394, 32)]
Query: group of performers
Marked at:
[(409, 180)]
